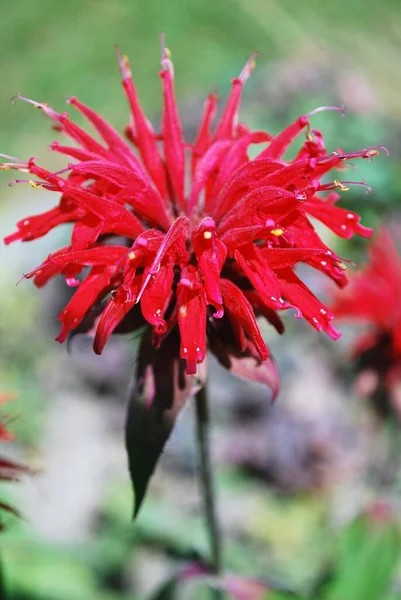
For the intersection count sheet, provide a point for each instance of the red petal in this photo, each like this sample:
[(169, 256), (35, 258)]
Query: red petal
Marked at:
[(204, 137), (227, 125), (86, 232), (172, 135), (136, 190), (257, 269), (210, 253), (244, 180), (233, 159), (282, 141), (343, 222), (373, 294), (116, 217), (78, 153), (144, 134), (155, 298), (258, 205), (296, 292), (205, 167), (173, 241), (86, 295), (191, 318), (37, 226), (279, 258), (115, 142), (71, 129), (241, 313), (268, 313), (97, 256), (114, 312)]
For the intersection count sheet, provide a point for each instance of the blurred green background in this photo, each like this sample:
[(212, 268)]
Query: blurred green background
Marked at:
[(320, 457)]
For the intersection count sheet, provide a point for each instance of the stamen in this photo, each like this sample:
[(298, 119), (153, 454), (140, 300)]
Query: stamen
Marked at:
[(340, 185), (35, 184), (166, 62), (319, 109), (343, 185), (368, 153), (123, 63), (379, 147), (42, 105), (277, 232), (30, 181), (14, 159), (248, 67), (7, 166), (68, 168), (360, 183)]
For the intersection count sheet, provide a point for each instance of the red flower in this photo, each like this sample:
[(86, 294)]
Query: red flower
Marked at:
[(195, 235), (373, 298), (9, 470)]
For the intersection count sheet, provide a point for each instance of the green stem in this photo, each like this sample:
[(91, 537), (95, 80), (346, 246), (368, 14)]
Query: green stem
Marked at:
[(206, 479)]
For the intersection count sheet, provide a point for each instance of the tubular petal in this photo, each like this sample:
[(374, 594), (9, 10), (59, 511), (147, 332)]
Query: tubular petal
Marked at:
[(241, 314), (191, 318)]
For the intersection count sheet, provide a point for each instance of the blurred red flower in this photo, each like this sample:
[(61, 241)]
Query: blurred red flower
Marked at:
[(195, 235), (373, 297), (9, 470)]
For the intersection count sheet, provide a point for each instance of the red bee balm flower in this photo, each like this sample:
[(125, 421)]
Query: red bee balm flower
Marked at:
[(190, 235), (373, 298)]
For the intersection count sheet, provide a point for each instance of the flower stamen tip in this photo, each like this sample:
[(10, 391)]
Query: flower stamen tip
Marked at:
[(34, 185), (248, 67), (340, 109)]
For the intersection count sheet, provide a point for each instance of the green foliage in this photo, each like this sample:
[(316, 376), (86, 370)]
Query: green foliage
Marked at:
[(367, 555)]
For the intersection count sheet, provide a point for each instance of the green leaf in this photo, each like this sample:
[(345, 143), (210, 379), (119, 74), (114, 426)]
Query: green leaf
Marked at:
[(369, 551), (160, 392)]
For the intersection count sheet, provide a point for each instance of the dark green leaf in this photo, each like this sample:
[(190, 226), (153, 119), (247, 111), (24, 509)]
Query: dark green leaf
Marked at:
[(160, 391)]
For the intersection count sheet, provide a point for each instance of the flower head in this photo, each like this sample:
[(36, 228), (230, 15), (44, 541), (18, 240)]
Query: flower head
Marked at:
[(194, 236), (373, 298)]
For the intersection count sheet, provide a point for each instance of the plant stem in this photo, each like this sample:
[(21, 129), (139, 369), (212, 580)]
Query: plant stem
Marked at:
[(206, 478)]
